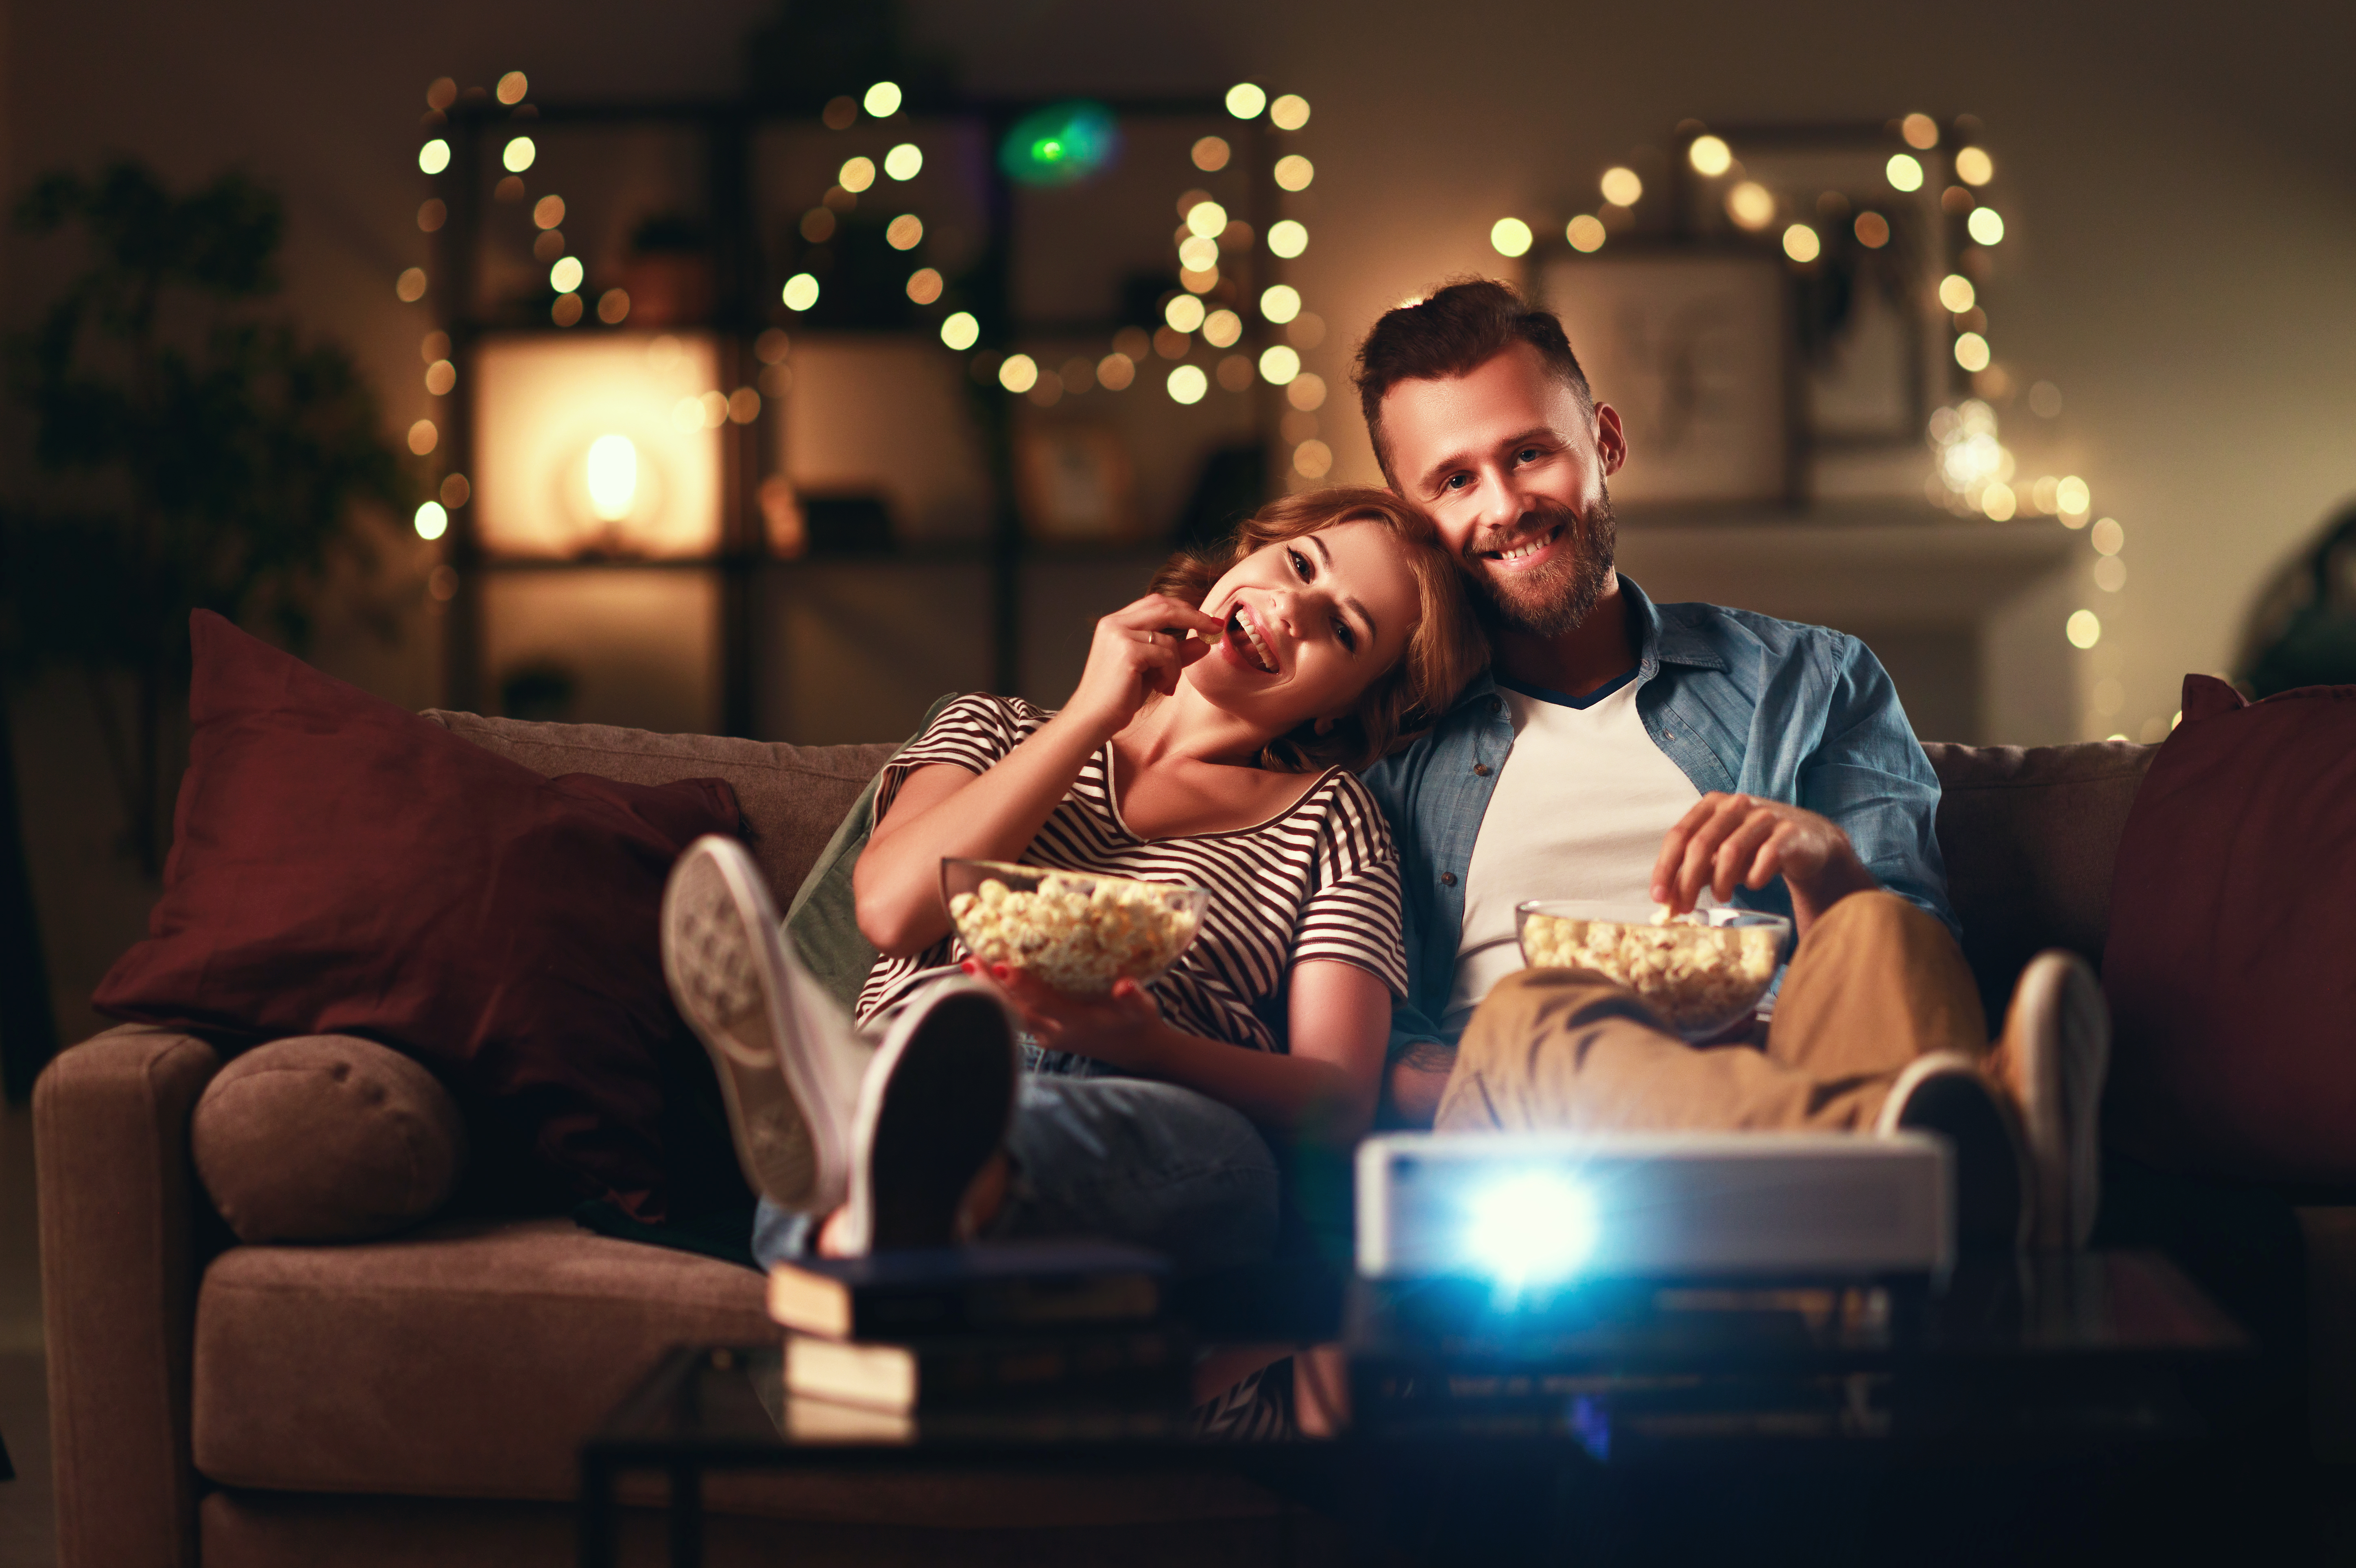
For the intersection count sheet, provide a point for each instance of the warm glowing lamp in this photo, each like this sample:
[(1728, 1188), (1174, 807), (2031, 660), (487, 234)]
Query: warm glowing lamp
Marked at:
[(612, 477)]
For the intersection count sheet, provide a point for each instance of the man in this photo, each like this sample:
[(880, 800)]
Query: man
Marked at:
[(1628, 751)]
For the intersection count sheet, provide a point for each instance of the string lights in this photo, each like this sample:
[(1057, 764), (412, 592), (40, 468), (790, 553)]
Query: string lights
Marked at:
[(1973, 472)]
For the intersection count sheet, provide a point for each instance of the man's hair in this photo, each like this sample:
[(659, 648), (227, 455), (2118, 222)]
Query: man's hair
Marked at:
[(1463, 324), (1443, 653)]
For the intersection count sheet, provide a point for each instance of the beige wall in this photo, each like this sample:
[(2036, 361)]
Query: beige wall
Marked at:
[(2179, 193)]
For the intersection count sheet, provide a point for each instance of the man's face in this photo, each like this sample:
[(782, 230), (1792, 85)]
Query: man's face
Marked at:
[(1512, 470)]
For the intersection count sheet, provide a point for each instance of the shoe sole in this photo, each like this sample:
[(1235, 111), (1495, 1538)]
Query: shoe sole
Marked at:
[(711, 914), (1992, 1188), (940, 1098), (2062, 1108)]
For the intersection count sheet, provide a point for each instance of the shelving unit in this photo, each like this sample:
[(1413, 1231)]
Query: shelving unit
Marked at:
[(743, 304)]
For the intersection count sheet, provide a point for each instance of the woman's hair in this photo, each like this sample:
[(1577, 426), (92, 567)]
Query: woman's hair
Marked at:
[(1445, 650)]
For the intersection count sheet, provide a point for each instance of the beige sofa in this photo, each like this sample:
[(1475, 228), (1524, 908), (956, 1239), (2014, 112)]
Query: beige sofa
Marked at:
[(421, 1398)]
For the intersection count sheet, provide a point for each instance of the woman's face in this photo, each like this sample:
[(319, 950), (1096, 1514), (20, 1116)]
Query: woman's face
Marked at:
[(1310, 624)]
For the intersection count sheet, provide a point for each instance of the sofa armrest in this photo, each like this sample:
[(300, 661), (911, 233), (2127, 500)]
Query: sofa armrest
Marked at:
[(119, 1215)]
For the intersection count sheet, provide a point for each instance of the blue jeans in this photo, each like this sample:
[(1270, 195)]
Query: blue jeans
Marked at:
[(1121, 1158)]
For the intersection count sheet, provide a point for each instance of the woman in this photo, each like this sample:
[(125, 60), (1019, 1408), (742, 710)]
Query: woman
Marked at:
[(1209, 742)]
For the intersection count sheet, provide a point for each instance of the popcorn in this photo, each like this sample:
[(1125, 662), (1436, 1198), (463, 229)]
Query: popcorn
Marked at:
[(1698, 977), (1078, 933)]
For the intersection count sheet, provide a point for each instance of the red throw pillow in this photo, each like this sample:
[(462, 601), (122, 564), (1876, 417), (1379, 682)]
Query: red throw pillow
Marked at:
[(2230, 963), (341, 866)]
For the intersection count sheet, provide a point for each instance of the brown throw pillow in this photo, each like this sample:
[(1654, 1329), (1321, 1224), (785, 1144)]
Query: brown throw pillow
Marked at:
[(326, 1138), (341, 866), (2232, 986)]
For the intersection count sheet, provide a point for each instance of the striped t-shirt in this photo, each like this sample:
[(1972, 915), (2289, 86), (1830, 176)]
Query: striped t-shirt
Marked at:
[(1320, 879)]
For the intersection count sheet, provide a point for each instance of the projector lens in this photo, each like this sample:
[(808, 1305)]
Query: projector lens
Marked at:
[(1529, 1227)]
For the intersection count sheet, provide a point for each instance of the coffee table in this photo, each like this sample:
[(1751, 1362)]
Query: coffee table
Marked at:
[(2022, 1361)]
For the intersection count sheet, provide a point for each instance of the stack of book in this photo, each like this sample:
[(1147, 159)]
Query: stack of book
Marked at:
[(982, 1329)]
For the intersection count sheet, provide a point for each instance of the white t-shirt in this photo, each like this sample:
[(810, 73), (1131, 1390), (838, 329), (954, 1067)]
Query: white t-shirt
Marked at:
[(1578, 813)]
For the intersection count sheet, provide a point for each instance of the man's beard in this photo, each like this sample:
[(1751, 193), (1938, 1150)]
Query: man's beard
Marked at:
[(1553, 599)]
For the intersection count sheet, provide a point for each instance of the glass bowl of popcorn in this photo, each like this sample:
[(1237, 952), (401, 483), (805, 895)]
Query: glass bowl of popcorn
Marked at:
[(1702, 971), (1077, 931)]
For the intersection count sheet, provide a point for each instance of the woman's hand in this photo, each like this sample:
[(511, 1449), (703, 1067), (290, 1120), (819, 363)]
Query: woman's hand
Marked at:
[(1139, 650), (1114, 1029)]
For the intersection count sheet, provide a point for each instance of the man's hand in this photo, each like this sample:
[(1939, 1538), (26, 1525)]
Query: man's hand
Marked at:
[(1739, 840)]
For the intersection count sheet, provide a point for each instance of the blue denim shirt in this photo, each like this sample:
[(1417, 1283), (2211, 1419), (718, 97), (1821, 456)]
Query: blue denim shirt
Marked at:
[(1741, 703)]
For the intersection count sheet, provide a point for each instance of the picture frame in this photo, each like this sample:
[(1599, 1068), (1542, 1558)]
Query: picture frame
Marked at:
[(1691, 344)]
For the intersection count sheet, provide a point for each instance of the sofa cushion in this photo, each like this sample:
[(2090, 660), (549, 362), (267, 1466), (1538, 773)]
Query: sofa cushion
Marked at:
[(326, 1138), (339, 865), (2230, 972), (792, 797), (2029, 836), (471, 1359)]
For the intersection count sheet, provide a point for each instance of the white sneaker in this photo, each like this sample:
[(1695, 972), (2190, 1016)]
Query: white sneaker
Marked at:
[(2054, 1054), (1949, 1094), (788, 1060), (933, 1112)]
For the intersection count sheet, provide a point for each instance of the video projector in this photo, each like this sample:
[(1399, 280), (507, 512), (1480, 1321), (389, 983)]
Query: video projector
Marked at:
[(1538, 1210)]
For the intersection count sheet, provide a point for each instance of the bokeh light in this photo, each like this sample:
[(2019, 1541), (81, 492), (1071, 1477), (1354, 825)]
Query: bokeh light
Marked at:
[(455, 490), (1510, 237), (1312, 459), (1306, 392), (1920, 131), (613, 306), (904, 161), (1183, 313), (1115, 371), (817, 225), (440, 377), (2109, 536), (882, 100), (1985, 226), (1622, 188), (1974, 166), (512, 87), (422, 437), (1904, 172), (441, 93), (566, 311), (1800, 243), (434, 345), (431, 214), (772, 347), (856, 175), (960, 331), (1245, 100), (435, 157), (1293, 172), (1278, 365), (1585, 232), (2085, 629), (1187, 384), (565, 276), (1211, 154), (1999, 503), (1019, 373), (1751, 205), (925, 285), (548, 212), (1196, 255), (1280, 302), (744, 406), (1955, 292), (518, 154), (2110, 574), (1288, 238), (1872, 231), (904, 232), (1710, 156), (433, 520), (1972, 351), (411, 285), (1221, 328), (1235, 372), (2073, 496), (1289, 113), (1061, 145), (801, 292), (1206, 220)]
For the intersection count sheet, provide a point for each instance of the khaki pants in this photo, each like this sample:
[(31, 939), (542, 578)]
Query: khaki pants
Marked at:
[(1875, 984)]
